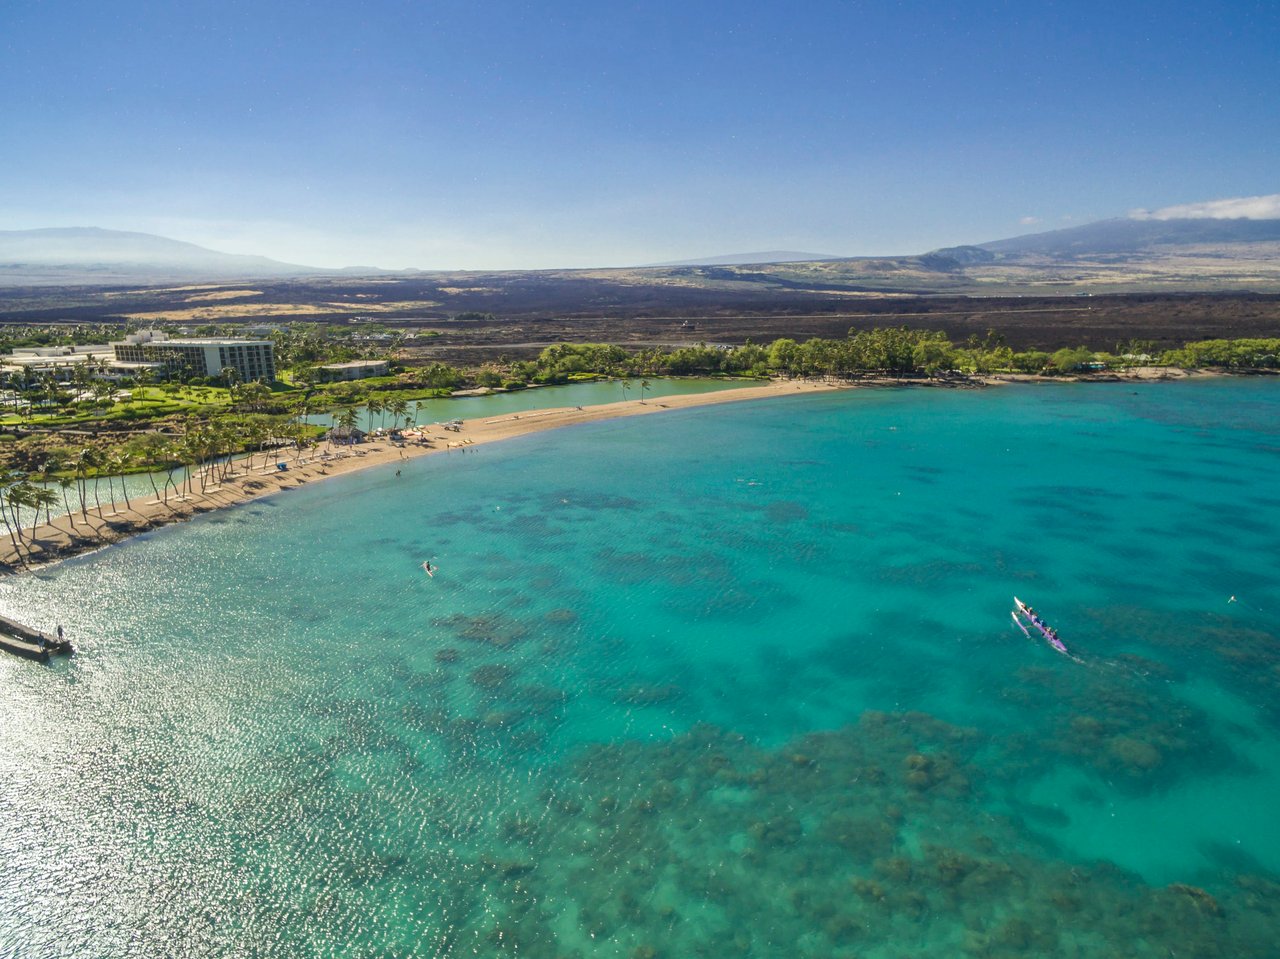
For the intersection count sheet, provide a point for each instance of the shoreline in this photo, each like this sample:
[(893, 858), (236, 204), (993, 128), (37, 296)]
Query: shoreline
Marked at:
[(72, 535), (62, 539)]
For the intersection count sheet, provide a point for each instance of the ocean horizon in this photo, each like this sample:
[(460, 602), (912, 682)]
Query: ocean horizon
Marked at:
[(733, 680)]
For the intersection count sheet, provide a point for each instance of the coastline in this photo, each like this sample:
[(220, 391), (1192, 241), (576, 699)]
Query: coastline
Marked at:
[(62, 539)]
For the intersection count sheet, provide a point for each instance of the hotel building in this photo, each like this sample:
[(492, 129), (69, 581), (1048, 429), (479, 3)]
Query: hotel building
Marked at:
[(251, 359)]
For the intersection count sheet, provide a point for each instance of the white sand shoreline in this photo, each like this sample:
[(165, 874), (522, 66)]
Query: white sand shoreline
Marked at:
[(74, 534)]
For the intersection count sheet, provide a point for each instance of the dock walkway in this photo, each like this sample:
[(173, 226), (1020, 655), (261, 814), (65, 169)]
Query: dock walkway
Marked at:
[(29, 643)]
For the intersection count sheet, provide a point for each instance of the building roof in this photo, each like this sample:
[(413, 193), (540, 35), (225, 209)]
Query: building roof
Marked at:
[(353, 364), (208, 341)]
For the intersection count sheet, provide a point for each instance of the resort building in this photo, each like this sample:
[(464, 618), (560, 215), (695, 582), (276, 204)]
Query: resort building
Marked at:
[(251, 359), (355, 370), (61, 361)]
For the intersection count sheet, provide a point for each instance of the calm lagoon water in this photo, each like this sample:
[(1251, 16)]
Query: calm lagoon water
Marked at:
[(738, 681)]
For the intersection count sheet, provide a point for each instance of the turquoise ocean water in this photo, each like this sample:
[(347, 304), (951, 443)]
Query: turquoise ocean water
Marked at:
[(737, 681)]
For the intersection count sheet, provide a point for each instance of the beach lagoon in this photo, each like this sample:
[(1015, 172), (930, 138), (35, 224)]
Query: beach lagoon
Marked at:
[(736, 680)]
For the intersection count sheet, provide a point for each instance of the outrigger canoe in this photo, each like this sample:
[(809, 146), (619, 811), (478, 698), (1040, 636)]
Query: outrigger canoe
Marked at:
[(1048, 632)]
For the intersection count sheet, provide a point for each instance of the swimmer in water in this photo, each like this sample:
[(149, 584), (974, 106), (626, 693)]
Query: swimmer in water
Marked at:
[(428, 568)]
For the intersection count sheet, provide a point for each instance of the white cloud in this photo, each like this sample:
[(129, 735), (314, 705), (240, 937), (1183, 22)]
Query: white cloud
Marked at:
[(1029, 220), (1241, 207)]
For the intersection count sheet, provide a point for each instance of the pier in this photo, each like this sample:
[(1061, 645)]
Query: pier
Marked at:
[(30, 643)]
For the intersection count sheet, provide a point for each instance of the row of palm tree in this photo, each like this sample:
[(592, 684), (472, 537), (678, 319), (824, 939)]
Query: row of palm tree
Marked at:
[(398, 408), (200, 455), (20, 494), (626, 385)]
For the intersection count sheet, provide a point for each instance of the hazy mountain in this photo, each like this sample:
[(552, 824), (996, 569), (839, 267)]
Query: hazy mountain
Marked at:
[(1121, 255), (1130, 236), (744, 259), (93, 256)]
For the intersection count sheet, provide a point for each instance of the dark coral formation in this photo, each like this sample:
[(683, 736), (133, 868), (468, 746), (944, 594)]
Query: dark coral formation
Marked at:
[(842, 843)]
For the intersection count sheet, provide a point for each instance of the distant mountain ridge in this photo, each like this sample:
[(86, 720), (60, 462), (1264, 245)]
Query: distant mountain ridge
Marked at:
[(92, 255), (1108, 255), (1131, 235)]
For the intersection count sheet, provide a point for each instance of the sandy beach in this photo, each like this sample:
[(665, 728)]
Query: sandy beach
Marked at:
[(63, 538)]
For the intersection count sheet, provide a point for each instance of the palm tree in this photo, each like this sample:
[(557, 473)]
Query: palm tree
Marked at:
[(82, 475), (89, 460), (153, 456), (398, 408), (626, 385), (230, 376), (18, 497), (41, 496), (107, 465), (65, 483), (375, 405), (174, 453), (644, 385), (8, 482), (346, 422), (120, 463), (48, 474), (102, 390)]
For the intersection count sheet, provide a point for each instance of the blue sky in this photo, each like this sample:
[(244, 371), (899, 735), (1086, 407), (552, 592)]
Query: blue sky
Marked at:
[(506, 135)]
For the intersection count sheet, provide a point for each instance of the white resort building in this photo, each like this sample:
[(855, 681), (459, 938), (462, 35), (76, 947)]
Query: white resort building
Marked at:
[(61, 361), (354, 370), (251, 359)]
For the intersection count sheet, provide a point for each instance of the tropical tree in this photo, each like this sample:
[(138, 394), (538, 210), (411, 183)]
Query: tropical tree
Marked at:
[(89, 460), (41, 496), (120, 462), (65, 483), (398, 408), (14, 500), (346, 422), (378, 405), (9, 482), (1069, 360)]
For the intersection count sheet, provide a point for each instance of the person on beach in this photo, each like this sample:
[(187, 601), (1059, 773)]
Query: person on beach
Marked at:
[(59, 632)]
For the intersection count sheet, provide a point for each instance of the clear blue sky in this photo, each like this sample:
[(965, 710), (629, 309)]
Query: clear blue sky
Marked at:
[(506, 134)]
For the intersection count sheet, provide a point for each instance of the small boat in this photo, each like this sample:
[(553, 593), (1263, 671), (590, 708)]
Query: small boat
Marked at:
[(1048, 632)]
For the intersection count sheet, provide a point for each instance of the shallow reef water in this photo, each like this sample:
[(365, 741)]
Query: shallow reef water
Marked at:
[(728, 682)]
